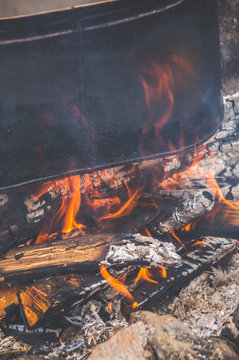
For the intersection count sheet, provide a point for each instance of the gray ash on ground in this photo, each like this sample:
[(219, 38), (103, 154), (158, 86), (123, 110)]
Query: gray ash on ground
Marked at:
[(207, 305)]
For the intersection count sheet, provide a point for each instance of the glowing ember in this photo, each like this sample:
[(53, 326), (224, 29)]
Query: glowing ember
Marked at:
[(109, 305), (163, 272)]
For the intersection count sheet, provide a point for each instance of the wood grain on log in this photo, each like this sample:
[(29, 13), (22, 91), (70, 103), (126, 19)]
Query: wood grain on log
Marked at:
[(85, 254)]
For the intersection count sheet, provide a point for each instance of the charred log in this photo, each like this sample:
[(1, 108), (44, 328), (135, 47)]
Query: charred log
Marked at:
[(48, 301), (85, 254), (223, 220), (187, 210)]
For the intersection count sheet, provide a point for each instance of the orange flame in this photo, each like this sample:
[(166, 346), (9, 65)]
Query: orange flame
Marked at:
[(147, 232), (163, 272), (197, 243), (126, 208), (109, 305), (71, 209), (158, 85), (144, 274), (116, 284), (177, 238), (68, 210), (78, 193)]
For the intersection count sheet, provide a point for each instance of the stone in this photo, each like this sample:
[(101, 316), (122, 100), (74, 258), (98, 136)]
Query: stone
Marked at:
[(170, 339), (127, 344), (168, 336)]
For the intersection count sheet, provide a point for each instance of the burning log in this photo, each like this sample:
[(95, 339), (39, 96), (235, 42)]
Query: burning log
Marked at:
[(85, 253), (47, 300), (188, 209), (194, 262)]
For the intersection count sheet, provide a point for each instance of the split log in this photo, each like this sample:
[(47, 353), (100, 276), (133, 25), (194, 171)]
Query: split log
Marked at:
[(85, 253)]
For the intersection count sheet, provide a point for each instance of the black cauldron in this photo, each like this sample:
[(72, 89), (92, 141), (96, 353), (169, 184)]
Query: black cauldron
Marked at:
[(104, 84)]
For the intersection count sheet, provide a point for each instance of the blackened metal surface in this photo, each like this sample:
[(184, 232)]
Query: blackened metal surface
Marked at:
[(99, 86)]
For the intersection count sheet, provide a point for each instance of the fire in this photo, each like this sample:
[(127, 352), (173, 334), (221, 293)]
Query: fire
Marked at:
[(158, 82), (148, 274), (177, 238), (68, 210), (147, 232), (120, 287), (198, 172), (125, 209), (80, 195), (197, 243), (144, 274), (72, 207), (109, 305), (163, 272)]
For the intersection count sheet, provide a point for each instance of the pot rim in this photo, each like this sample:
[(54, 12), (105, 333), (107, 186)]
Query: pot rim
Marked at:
[(99, 3), (83, 18)]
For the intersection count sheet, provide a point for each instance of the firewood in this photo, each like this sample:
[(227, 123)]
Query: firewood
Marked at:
[(47, 301), (85, 253), (187, 209), (194, 262)]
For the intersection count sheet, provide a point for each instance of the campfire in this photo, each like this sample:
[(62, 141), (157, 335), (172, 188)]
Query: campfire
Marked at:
[(122, 193)]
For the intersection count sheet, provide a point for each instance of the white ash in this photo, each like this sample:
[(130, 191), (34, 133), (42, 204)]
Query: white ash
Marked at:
[(9, 346), (208, 303), (142, 249)]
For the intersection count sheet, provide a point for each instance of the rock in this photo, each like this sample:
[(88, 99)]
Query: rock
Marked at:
[(171, 339), (127, 344), (162, 337)]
